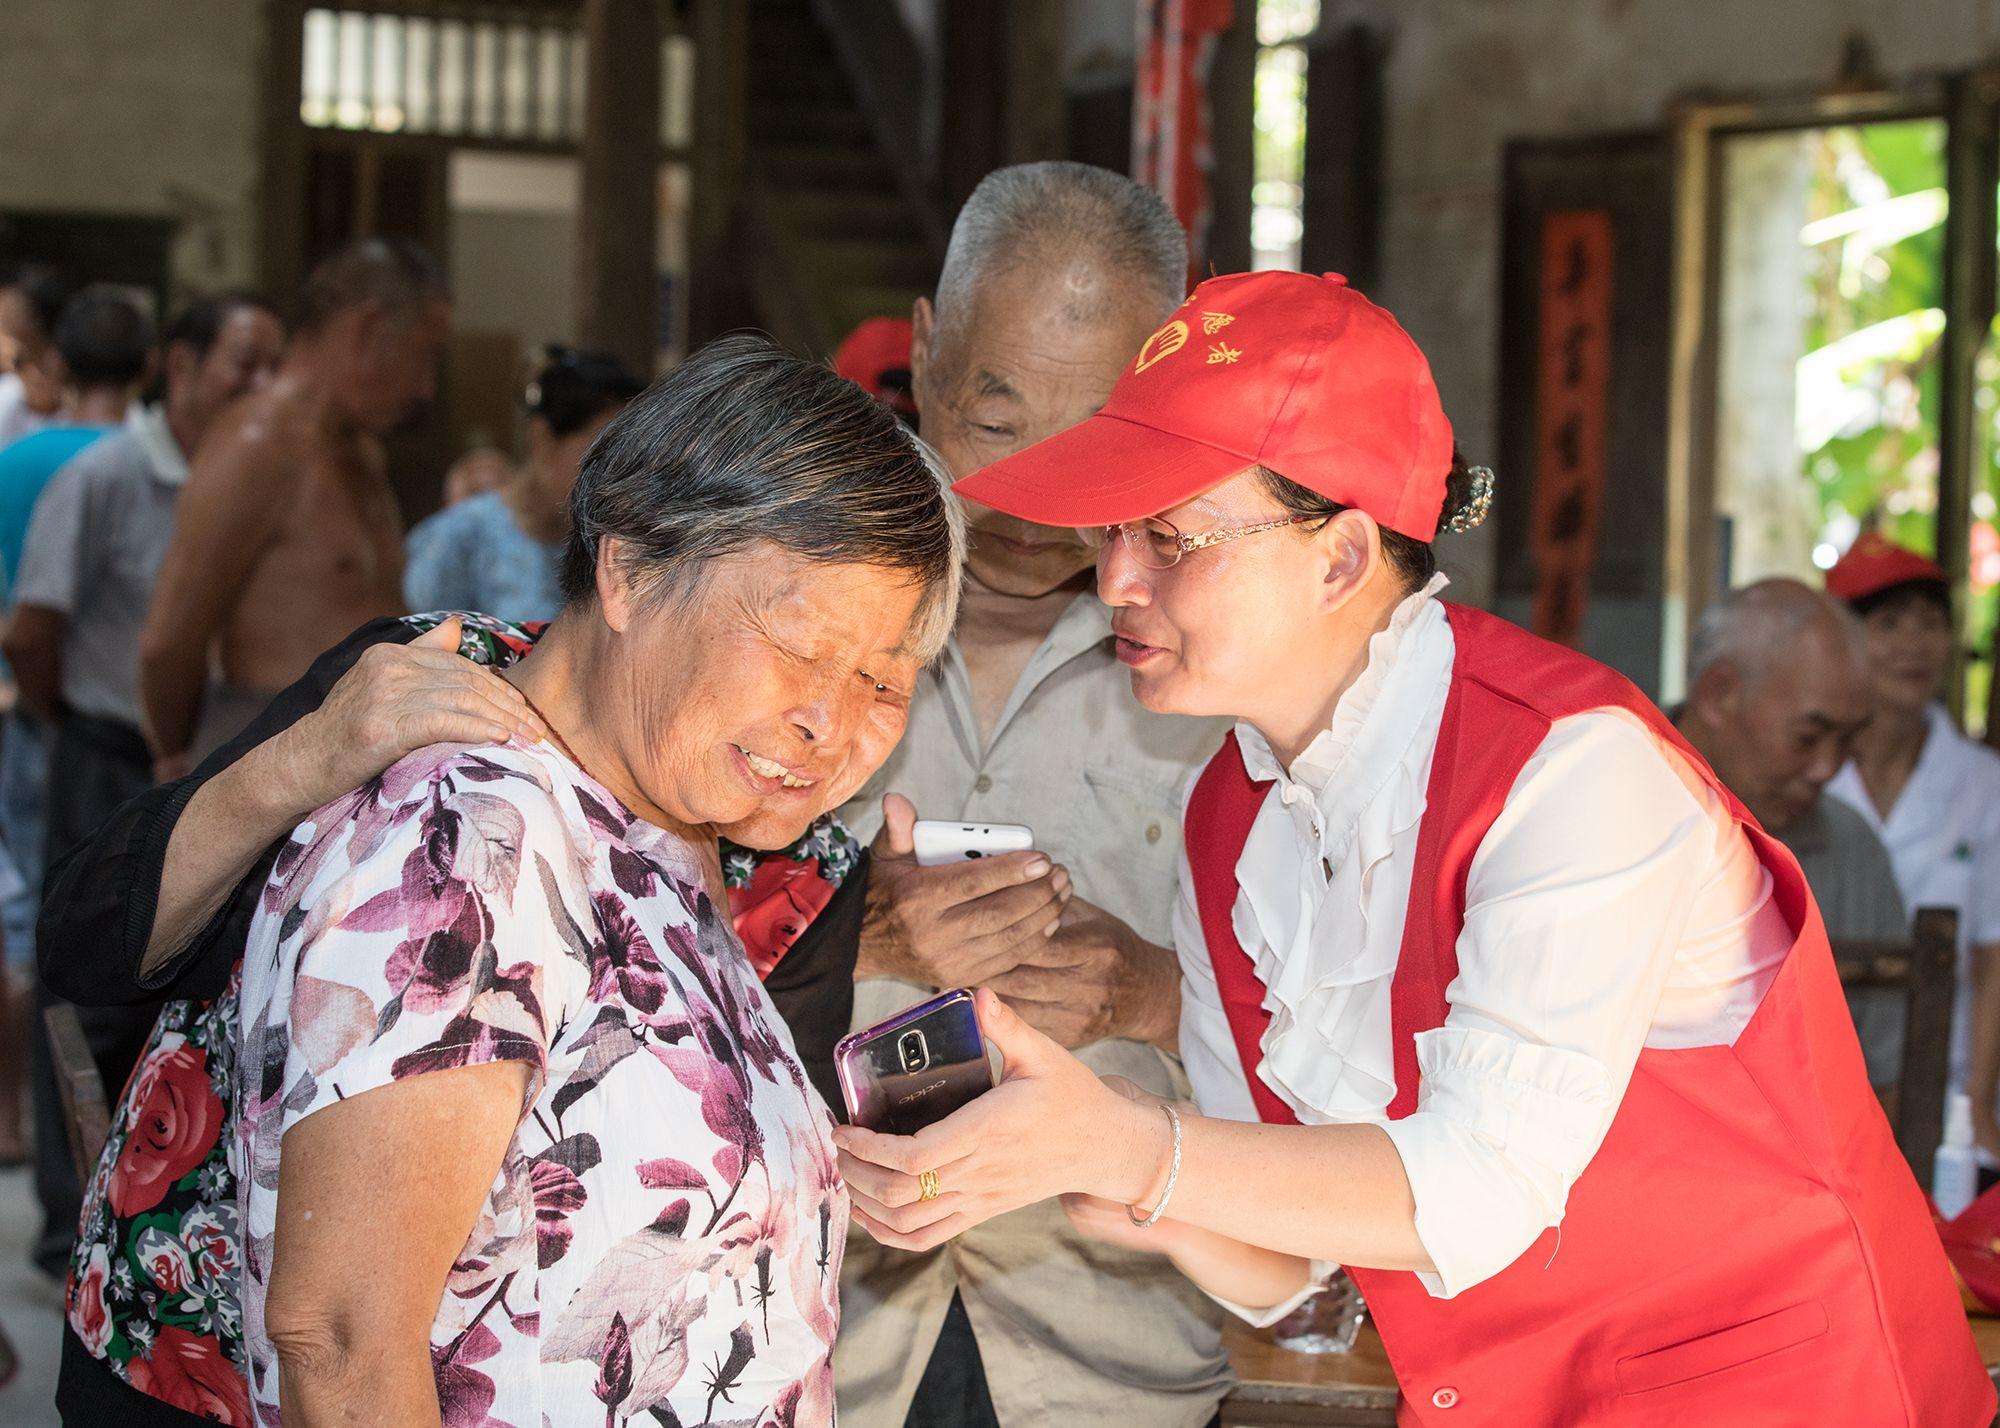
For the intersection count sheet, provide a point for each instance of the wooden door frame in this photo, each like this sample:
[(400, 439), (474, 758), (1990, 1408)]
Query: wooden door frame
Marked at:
[(1699, 127)]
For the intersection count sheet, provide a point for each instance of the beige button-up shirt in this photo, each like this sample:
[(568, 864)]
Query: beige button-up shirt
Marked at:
[(1070, 1333)]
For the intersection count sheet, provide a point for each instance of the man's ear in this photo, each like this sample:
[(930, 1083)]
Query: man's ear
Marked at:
[(1350, 548), (923, 322), (614, 585), (1717, 697)]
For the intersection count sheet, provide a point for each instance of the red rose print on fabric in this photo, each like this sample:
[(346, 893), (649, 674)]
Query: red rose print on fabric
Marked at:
[(88, 1317), (190, 1372), (175, 1119)]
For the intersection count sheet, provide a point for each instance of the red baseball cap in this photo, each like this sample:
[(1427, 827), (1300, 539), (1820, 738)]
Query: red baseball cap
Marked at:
[(1299, 374), (875, 356), (1875, 563)]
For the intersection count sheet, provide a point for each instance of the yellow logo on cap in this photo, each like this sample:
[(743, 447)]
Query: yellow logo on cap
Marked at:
[(1223, 352), (1214, 322), (1164, 343)]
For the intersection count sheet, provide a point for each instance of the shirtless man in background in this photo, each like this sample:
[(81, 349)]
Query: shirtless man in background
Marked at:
[(288, 535)]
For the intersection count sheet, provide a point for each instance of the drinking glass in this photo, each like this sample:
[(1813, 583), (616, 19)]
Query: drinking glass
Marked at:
[(1327, 1322)]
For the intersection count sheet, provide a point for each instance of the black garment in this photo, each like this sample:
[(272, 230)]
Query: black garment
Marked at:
[(90, 1395), (953, 1393), (94, 766), (97, 914)]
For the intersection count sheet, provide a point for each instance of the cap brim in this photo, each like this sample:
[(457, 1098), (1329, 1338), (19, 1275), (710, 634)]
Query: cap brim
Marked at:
[(1100, 472)]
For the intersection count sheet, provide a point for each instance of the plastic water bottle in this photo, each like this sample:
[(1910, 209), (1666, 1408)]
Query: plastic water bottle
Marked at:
[(1955, 1178)]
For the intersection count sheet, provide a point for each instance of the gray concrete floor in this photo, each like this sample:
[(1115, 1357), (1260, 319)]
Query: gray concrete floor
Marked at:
[(30, 1310)]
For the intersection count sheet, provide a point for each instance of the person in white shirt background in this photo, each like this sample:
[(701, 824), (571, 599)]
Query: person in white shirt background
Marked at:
[(1931, 795), (1493, 952)]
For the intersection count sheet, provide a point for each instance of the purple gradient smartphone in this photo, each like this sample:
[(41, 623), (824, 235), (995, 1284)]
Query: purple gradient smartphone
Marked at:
[(903, 1074)]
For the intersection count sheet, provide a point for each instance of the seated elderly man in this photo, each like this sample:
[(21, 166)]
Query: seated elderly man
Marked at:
[(1777, 690)]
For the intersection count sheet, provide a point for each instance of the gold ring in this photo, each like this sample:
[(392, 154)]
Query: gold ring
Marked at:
[(927, 1185)]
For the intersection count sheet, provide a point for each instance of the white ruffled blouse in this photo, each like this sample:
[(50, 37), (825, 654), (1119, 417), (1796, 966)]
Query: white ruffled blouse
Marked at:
[(1613, 905)]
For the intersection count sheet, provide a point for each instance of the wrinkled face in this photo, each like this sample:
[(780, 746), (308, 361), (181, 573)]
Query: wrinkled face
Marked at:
[(1909, 648), (26, 351), (767, 699), (243, 358), (1216, 632), (392, 368), (1778, 742), (1012, 370)]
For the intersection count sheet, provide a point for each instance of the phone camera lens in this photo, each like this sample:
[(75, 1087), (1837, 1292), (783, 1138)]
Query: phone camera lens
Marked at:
[(974, 853), (912, 1052)]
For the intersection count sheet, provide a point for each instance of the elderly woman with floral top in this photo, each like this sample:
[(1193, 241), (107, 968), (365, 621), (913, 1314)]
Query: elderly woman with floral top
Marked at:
[(523, 1140)]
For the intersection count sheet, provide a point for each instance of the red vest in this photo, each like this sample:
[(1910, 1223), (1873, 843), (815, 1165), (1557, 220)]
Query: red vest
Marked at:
[(1747, 1246)]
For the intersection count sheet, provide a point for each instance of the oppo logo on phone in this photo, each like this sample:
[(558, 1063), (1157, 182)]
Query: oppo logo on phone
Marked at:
[(939, 843)]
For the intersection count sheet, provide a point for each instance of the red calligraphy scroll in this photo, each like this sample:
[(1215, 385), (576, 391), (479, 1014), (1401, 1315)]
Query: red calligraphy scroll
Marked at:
[(1572, 394), (1172, 151)]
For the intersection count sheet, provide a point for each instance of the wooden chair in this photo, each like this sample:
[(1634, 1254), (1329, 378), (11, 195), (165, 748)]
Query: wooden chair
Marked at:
[(1925, 970), (85, 1110)]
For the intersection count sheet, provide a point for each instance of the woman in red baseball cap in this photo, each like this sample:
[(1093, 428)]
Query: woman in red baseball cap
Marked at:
[(1933, 797), (1492, 995)]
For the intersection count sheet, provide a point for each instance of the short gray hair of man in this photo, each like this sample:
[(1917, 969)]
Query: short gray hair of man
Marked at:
[(1059, 212), (1753, 627), (744, 444)]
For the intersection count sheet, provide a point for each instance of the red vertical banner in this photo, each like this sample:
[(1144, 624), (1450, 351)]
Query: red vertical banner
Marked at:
[(1572, 396), (1172, 150)]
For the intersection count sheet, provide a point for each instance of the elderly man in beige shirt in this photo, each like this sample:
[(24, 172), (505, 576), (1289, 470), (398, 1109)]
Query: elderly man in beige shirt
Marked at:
[(1055, 276)]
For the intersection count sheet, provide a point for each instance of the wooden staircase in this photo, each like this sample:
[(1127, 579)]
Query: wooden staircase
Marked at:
[(837, 230)]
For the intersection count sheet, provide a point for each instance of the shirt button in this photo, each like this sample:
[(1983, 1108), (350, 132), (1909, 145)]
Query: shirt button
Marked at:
[(1445, 1398), (1153, 834), (983, 784)]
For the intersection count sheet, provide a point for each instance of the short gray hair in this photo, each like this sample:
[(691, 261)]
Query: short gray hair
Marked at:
[(1055, 211), (1753, 627), (745, 443)]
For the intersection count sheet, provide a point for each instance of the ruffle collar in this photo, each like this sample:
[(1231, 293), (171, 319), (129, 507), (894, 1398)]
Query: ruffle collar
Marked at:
[(1323, 930)]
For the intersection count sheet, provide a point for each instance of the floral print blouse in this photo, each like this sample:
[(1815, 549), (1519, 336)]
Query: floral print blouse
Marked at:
[(154, 1288), (662, 1243)]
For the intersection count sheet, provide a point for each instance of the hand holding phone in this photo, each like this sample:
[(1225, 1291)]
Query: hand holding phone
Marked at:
[(916, 1068), (939, 842)]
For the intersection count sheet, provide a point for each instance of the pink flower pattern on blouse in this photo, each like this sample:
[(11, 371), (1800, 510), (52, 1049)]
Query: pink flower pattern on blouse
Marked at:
[(662, 1243)]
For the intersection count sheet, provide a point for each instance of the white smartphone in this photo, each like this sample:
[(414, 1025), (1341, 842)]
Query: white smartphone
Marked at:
[(939, 842)]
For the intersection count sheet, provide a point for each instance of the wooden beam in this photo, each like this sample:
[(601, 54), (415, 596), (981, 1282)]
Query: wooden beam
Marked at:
[(1972, 171), (281, 174), (1232, 97), (1342, 207), (717, 297), (617, 261)]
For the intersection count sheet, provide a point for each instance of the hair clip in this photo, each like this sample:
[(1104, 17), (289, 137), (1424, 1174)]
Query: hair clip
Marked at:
[(1477, 504)]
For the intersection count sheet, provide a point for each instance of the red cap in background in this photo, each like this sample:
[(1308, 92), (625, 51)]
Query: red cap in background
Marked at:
[(1875, 563), (1296, 373), (876, 358)]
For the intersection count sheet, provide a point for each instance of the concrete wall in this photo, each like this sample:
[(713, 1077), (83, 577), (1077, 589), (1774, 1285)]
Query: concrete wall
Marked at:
[(1466, 77), (141, 107)]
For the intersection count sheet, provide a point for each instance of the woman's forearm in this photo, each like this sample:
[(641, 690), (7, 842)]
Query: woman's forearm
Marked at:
[(1244, 1274), (1335, 1193), (217, 839)]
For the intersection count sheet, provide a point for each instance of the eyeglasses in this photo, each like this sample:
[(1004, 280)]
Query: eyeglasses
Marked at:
[(1158, 544)]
